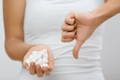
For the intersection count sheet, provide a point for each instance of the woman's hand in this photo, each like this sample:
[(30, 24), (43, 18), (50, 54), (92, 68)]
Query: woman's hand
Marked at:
[(36, 68), (82, 25), (79, 26)]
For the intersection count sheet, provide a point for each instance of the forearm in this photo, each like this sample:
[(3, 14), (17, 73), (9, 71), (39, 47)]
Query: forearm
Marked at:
[(106, 11), (13, 11), (16, 49)]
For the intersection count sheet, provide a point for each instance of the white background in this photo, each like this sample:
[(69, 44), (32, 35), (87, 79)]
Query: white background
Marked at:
[(9, 70)]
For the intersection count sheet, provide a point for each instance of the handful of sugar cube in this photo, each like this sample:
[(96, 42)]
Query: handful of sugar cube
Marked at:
[(39, 57)]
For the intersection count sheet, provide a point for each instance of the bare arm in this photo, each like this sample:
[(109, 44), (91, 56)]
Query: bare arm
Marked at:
[(14, 37), (86, 23), (106, 11), (13, 22)]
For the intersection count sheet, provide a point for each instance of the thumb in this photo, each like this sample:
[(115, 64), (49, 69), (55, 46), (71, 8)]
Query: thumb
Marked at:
[(77, 48)]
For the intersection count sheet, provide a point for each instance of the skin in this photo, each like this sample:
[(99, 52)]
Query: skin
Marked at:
[(15, 46), (36, 68), (80, 26), (74, 27)]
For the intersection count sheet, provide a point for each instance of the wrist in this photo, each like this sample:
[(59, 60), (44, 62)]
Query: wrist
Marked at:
[(27, 47)]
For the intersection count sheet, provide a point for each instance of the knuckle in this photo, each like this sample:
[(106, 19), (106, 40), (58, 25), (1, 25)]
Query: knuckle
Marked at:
[(62, 40), (62, 28), (66, 19)]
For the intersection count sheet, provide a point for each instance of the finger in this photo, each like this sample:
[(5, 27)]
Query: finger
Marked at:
[(25, 65), (70, 18), (66, 35), (67, 40), (32, 68), (66, 27), (45, 69), (50, 68), (76, 49), (50, 60), (39, 71), (47, 72), (69, 21)]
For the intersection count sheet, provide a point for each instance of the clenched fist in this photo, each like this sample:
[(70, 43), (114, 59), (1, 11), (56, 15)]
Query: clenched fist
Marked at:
[(78, 26)]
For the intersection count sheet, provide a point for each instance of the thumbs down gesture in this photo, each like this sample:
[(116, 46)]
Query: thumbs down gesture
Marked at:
[(78, 26)]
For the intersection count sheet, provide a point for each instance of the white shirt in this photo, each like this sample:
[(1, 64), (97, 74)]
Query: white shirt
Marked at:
[(42, 25)]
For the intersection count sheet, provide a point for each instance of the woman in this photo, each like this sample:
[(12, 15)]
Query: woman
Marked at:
[(37, 24)]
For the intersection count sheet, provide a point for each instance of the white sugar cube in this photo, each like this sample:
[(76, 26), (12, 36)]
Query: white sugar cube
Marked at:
[(34, 58), (39, 57), (39, 61), (45, 65), (45, 60), (33, 55)]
